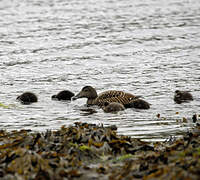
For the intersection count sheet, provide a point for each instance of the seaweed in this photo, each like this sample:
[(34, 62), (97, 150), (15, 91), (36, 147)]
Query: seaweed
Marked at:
[(89, 151)]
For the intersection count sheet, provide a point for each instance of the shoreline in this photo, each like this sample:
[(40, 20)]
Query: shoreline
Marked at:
[(89, 151)]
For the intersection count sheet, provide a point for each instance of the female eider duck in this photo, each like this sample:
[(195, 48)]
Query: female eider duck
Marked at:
[(63, 95), (107, 96), (27, 98), (113, 107), (182, 96)]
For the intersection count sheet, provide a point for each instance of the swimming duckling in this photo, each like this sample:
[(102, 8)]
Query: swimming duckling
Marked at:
[(63, 95), (27, 98), (182, 96), (138, 104), (108, 96), (113, 107)]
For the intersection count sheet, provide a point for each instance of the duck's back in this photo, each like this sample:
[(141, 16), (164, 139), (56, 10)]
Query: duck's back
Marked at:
[(114, 96)]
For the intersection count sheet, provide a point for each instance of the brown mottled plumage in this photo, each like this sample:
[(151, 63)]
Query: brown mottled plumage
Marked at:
[(107, 96)]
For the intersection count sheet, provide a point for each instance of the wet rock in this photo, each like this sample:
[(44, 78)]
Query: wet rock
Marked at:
[(194, 118)]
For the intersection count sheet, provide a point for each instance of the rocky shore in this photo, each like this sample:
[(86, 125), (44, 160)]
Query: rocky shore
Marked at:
[(88, 151)]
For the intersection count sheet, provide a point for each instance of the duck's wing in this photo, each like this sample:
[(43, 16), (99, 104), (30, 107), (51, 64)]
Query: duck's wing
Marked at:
[(114, 96)]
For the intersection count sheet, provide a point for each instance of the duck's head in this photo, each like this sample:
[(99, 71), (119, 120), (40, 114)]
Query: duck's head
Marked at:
[(87, 92), (177, 94)]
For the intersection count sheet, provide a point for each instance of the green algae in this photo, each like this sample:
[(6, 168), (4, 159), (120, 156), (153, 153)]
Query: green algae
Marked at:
[(4, 106)]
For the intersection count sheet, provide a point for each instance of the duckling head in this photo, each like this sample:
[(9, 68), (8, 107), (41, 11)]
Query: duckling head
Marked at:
[(87, 92), (177, 93)]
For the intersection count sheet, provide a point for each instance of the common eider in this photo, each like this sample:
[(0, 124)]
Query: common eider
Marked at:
[(63, 95), (182, 96), (27, 98), (138, 104), (113, 107), (108, 96)]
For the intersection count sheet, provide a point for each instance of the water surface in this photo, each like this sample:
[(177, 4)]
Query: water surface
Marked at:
[(149, 48)]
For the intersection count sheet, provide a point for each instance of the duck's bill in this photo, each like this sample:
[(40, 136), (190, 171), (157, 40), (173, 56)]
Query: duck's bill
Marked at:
[(76, 96)]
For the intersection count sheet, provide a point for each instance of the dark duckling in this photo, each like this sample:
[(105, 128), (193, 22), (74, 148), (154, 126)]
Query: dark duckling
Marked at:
[(138, 104), (108, 96), (182, 96), (113, 107), (63, 95), (27, 98)]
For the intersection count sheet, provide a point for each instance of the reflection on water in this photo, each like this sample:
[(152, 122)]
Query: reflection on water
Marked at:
[(149, 48)]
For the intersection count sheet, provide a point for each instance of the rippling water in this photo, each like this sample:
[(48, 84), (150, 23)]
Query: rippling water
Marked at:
[(146, 47)]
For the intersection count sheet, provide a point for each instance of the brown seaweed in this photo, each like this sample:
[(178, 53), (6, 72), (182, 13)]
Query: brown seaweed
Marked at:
[(88, 151)]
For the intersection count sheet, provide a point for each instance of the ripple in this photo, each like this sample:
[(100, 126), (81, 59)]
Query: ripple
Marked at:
[(146, 48), (17, 62)]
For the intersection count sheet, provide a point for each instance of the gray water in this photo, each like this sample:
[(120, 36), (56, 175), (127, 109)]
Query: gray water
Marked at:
[(145, 47)]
